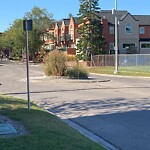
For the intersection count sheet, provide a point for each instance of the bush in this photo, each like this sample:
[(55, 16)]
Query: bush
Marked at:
[(71, 58), (40, 55), (131, 50), (55, 63), (77, 72)]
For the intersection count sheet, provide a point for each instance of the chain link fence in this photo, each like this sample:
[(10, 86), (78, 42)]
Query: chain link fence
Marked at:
[(123, 60)]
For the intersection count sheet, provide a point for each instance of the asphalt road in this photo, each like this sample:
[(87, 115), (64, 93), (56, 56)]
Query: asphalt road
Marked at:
[(113, 108)]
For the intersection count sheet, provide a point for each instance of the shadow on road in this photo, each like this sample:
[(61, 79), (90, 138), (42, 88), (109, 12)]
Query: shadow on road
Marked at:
[(79, 89), (123, 122)]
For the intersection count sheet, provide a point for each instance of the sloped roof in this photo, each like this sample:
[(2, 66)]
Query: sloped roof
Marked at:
[(59, 24), (75, 19), (66, 21), (107, 14), (143, 19), (130, 15)]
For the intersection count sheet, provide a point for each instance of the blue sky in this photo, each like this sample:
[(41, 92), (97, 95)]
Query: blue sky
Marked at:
[(16, 9)]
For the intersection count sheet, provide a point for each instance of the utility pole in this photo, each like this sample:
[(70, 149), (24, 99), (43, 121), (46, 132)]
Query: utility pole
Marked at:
[(116, 39)]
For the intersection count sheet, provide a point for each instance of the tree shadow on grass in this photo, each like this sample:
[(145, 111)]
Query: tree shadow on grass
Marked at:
[(11, 100)]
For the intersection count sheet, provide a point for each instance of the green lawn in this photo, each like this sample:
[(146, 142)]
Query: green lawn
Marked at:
[(47, 132), (126, 71)]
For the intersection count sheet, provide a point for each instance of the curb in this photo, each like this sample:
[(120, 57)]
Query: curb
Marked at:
[(64, 80), (120, 76), (82, 130), (90, 135)]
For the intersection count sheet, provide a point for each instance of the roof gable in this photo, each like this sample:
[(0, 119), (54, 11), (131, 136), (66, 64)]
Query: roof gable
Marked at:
[(58, 24), (66, 22), (107, 14), (125, 15)]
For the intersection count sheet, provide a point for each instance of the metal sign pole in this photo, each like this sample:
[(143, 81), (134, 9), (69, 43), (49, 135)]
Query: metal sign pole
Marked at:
[(27, 25), (27, 66)]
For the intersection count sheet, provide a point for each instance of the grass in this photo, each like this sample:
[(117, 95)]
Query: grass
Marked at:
[(125, 71), (47, 132)]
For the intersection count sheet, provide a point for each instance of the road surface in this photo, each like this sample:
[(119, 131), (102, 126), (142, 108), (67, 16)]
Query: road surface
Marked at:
[(115, 109)]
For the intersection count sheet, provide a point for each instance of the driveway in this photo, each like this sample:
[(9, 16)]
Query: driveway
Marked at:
[(115, 109)]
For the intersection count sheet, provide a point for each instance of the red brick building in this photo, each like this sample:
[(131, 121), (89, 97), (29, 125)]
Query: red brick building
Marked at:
[(132, 30)]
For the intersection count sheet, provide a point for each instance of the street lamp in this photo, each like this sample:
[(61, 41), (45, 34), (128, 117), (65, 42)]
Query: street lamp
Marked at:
[(116, 38)]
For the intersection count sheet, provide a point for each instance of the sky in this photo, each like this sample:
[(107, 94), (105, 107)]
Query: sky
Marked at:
[(15, 9)]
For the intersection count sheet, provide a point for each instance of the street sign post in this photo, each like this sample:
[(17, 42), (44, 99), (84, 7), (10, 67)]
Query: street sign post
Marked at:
[(27, 26)]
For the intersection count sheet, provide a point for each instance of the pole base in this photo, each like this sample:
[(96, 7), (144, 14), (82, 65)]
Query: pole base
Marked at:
[(115, 72)]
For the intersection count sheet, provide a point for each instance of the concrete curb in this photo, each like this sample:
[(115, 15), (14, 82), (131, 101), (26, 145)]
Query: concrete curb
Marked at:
[(90, 135), (64, 80), (120, 76), (83, 131)]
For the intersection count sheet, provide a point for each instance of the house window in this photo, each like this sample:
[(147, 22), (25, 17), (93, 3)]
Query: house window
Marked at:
[(111, 30), (62, 31), (142, 30), (62, 35), (127, 45), (128, 28), (145, 45), (71, 32), (111, 46)]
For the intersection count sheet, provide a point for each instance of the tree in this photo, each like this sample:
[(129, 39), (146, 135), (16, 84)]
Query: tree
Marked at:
[(90, 28), (70, 15), (14, 38), (42, 22)]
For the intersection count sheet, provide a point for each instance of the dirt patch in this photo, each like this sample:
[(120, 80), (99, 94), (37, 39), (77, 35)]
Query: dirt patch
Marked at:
[(17, 125)]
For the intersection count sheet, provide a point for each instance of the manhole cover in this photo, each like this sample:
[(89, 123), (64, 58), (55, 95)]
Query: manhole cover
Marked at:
[(7, 128)]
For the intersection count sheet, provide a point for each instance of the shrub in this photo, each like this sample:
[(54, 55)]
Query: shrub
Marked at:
[(71, 58), (40, 55), (55, 63), (131, 50), (77, 72)]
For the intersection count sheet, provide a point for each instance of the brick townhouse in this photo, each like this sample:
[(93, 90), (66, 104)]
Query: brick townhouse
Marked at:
[(65, 35), (133, 30)]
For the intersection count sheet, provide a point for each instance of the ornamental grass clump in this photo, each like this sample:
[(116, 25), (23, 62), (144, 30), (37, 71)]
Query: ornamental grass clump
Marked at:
[(71, 58), (77, 72), (55, 63)]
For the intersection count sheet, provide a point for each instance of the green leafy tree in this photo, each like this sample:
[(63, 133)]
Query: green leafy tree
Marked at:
[(90, 28), (42, 22), (14, 38)]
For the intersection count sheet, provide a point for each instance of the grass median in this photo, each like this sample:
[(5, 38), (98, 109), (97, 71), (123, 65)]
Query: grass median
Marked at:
[(143, 71), (45, 131)]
